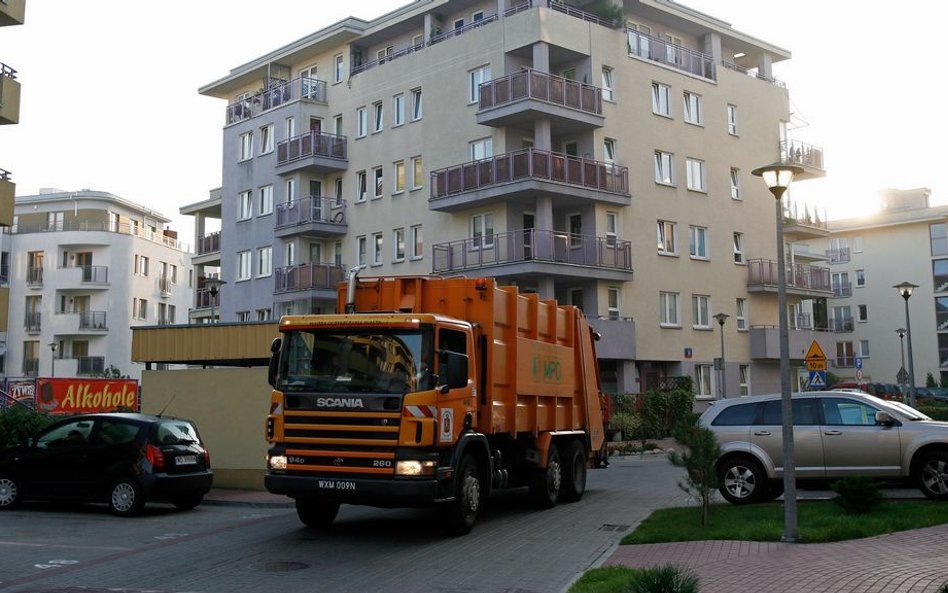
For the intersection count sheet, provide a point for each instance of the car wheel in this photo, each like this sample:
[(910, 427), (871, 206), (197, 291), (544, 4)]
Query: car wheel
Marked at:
[(574, 472), (933, 475), (316, 513), (461, 513), (126, 498), (187, 502), (742, 480), (10, 492), (774, 490), (546, 482)]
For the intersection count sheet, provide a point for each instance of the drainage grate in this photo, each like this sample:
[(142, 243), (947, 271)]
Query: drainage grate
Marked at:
[(611, 527)]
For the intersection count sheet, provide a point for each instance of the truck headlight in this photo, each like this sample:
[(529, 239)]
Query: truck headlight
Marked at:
[(413, 467), (277, 462)]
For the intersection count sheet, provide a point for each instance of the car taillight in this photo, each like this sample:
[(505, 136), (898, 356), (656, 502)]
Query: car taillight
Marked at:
[(207, 458), (155, 457)]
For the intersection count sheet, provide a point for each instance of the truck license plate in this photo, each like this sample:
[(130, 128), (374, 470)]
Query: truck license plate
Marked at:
[(186, 460), (337, 485)]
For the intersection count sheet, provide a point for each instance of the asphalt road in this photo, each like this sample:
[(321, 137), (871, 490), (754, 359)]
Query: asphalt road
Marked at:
[(59, 549)]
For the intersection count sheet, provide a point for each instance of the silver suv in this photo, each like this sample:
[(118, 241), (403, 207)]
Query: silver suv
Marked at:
[(836, 434)]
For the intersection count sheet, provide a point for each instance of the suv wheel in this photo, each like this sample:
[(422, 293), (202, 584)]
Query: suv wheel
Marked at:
[(933, 475), (742, 480)]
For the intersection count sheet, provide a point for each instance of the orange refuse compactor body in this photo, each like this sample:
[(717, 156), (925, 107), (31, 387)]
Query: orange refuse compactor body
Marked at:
[(433, 391)]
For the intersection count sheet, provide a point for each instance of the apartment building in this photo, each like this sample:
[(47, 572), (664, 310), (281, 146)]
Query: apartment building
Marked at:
[(906, 241), (12, 12), (83, 267), (596, 153)]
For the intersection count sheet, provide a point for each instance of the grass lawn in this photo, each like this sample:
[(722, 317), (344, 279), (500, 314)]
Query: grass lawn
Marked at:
[(818, 521)]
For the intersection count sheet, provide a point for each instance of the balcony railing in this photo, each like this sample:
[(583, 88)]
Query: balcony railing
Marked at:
[(311, 209), (842, 289), (560, 7), (7, 71), (798, 153), (90, 365), (278, 94), (669, 54), (532, 245), (205, 300), (806, 215), (32, 321), (93, 320), (312, 144), (31, 367), (753, 72), (308, 276), (102, 227), (34, 276), (533, 84), (210, 243), (841, 324), (839, 255), (165, 285), (530, 163), (95, 274), (5, 175), (800, 276)]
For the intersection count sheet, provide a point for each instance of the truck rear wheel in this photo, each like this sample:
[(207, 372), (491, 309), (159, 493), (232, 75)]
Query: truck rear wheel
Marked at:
[(316, 513), (461, 513), (574, 472), (546, 482)]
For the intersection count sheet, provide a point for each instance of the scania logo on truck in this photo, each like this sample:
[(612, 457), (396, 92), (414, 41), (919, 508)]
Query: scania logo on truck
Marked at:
[(339, 402)]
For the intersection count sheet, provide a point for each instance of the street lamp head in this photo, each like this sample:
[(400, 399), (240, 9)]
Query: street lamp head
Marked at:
[(901, 332), (777, 176), (905, 289), (52, 346), (721, 318), (213, 285)]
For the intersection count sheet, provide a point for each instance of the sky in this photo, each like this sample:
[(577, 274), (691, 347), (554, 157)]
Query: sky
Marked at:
[(109, 91)]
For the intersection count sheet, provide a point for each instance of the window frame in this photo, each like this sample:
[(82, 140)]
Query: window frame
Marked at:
[(398, 245), (693, 108), (399, 178), (701, 311), (398, 109), (740, 314), (477, 77), (378, 117), (608, 84), (417, 104), (417, 242), (698, 242), (737, 242), (245, 152), (244, 205), (696, 175), (362, 122), (661, 97), (664, 168), (732, 119), (670, 309), (264, 261), (265, 199), (662, 237), (244, 265), (736, 189)]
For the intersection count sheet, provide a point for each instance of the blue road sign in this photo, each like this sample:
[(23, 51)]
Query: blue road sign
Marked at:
[(858, 363), (817, 379)]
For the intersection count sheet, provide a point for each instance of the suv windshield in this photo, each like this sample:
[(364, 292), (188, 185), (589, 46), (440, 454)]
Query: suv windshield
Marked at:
[(393, 362)]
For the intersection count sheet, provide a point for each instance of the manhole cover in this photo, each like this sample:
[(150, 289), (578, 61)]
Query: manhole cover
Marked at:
[(610, 527), (278, 566)]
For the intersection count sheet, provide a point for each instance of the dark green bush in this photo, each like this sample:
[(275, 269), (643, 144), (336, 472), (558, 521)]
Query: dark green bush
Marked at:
[(937, 412), (664, 579), (18, 423), (857, 495), (656, 414)]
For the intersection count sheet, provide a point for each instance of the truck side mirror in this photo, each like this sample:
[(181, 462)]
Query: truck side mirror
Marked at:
[(275, 346)]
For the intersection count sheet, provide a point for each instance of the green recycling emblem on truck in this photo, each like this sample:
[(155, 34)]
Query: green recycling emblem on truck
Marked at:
[(547, 369)]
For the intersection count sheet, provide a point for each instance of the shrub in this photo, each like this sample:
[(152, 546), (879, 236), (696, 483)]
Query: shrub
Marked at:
[(664, 579), (18, 423), (857, 495), (937, 412), (627, 422), (699, 462)]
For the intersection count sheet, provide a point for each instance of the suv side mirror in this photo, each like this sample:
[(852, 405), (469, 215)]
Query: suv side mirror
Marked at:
[(275, 347), (884, 419)]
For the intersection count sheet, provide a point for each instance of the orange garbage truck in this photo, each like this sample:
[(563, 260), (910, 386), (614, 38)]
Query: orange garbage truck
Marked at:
[(430, 391)]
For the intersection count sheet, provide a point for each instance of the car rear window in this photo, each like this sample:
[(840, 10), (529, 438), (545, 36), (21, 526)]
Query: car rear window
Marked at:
[(739, 415), (175, 432)]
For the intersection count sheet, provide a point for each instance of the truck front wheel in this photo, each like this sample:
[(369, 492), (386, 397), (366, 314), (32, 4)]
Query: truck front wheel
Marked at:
[(546, 482), (461, 513), (316, 513)]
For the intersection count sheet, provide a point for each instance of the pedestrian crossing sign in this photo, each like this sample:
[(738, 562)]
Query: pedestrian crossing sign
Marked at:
[(817, 379)]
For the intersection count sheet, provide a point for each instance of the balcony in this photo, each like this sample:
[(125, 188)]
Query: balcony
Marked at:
[(312, 216), (314, 152), (210, 243), (618, 337), (802, 279), (668, 54), (32, 322), (840, 255), (308, 276), (34, 276), (165, 286), (93, 321), (9, 95), (275, 96), (537, 252), (161, 237), (765, 342), (204, 300), (806, 156), (753, 72), (12, 12), (800, 224), (89, 365), (841, 325), (7, 193), (30, 367), (525, 174), (563, 8), (90, 276), (842, 290), (520, 98)]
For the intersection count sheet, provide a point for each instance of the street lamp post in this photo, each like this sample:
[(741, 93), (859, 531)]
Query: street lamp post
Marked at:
[(905, 289), (778, 177), (213, 285), (721, 318), (52, 359), (900, 377)]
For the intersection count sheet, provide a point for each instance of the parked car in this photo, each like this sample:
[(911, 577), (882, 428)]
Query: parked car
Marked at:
[(836, 434), (931, 394), (123, 459)]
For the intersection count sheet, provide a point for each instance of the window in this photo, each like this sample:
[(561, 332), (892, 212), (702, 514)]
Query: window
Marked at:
[(575, 224), (661, 103), (668, 302), (745, 378), (862, 313), (857, 244), (377, 176), (244, 205), (339, 69), (477, 16), (864, 348), (664, 168), (845, 357), (399, 177), (289, 127), (417, 41), (289, 190), (362, 122), (416, 104), (938, 233), (482, 231), (417, 242), (337, 191), (337, 253), (265, 261), (740, 415), (741, 312), (264, 314), (482, 149), (839, 411), (695, 171), (140, 308), (804, 413), (266, 139), (360, 250), (666, 238), (141, 265), (166, 314), (246, 146), (379, 116), (612, 303), (693, 108), (612, 228), (608, 88), (736, 184), (698, 242), (739, 248), (337, 125), (398, 103), (361, 186), (289, 255), (700, 311), (243, 265), (476, 77), (702, 380), (839, 281), (398, 241), (384, 53), (243, 316), (417, 176), (266, 200), (732, 119), (609, 150), (861, 279), (458, 24), (377, 245)]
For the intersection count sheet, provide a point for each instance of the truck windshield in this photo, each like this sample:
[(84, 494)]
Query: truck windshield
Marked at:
[(324, 361)]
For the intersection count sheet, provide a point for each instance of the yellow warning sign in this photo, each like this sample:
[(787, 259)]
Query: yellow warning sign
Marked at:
[(815, 353)]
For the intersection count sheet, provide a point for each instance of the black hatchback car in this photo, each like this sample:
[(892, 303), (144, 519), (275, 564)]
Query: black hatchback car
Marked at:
[(123, 459)]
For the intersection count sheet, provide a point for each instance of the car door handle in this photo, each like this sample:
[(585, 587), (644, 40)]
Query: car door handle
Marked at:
[(833, 433), (762, 433)]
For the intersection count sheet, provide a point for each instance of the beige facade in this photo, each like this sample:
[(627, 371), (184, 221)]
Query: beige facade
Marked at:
[(12, 12)]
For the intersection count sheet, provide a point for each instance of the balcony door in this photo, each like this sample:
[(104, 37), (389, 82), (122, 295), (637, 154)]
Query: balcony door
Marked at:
[(529, 220)]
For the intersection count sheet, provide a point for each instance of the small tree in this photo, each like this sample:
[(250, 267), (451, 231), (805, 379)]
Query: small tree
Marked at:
[(930, 380), (699, 459)]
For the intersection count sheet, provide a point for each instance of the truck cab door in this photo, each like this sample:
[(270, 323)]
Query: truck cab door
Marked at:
[(456, 393)]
